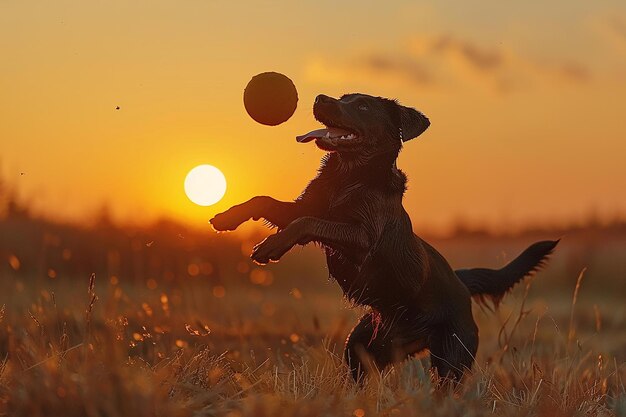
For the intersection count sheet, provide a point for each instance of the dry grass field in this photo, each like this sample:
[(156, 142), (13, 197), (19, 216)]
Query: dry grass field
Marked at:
[(160, 322)]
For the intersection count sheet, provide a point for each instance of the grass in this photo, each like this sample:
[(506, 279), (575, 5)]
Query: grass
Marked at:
[(105, 349), (181, 323)]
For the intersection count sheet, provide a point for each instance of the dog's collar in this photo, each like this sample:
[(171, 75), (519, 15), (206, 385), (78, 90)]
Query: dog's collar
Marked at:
[(401, 134)]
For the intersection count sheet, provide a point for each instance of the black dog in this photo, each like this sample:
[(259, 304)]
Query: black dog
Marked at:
[(353, 208)]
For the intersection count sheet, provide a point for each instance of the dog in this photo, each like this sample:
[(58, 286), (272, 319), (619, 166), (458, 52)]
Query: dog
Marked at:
[(353, 209)]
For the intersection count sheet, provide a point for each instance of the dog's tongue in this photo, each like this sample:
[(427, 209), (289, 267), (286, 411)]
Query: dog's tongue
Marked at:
[(320, 133), (314, 134)]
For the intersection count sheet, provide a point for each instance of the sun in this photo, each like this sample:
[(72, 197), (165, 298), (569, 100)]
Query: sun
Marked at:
[(205, 185)]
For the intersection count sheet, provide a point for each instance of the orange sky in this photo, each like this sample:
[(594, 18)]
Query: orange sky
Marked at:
[(526, 102)]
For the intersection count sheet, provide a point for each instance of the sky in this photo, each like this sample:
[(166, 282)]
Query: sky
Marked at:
[(526, 101)]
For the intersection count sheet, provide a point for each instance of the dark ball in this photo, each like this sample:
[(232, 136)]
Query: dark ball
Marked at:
[(270, 98)]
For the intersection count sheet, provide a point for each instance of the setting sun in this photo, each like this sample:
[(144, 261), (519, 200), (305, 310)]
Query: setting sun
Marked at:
[(205, 185)]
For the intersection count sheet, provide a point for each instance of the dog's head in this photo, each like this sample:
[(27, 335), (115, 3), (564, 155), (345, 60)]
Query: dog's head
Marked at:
[(360, 125)]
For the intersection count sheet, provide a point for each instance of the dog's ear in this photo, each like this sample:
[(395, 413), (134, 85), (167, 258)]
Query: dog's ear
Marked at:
[(412, 123)]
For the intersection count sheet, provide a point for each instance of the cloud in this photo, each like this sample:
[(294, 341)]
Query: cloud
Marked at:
[(617, 24), (478, 57), (409, 68), (445, 61), (613, 29), (574, 72), (365, 67)]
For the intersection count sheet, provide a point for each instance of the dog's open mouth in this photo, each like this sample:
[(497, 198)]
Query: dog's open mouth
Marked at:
[(334, 135)]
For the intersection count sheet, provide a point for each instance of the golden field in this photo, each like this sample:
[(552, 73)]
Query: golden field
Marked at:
[(167, 321)]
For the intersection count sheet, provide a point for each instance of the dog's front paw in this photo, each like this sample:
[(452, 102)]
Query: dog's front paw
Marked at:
[(226, 221), (269, 250)]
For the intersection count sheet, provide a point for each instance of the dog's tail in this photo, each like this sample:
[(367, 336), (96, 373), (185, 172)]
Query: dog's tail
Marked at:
[(493, 284)]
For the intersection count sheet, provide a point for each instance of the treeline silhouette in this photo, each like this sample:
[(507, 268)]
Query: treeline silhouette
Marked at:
[(166, 251), (32, 246)]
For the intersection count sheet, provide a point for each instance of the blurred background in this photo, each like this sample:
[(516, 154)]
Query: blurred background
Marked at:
[(105, 107), (525, 100)]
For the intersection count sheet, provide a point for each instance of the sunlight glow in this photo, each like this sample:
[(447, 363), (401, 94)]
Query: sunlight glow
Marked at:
[(205, 185)]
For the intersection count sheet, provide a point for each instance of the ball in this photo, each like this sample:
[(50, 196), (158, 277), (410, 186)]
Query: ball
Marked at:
[(270, 98)]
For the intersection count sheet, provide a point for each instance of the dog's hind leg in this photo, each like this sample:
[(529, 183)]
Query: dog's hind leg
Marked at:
[(373, 343), (368, 347), (452, 351)]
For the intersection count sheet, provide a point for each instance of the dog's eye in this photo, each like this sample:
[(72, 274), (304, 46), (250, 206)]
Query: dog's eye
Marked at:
[(363, 107)]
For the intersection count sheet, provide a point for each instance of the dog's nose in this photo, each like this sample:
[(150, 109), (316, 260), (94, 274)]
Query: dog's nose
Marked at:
[(322, 99)]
